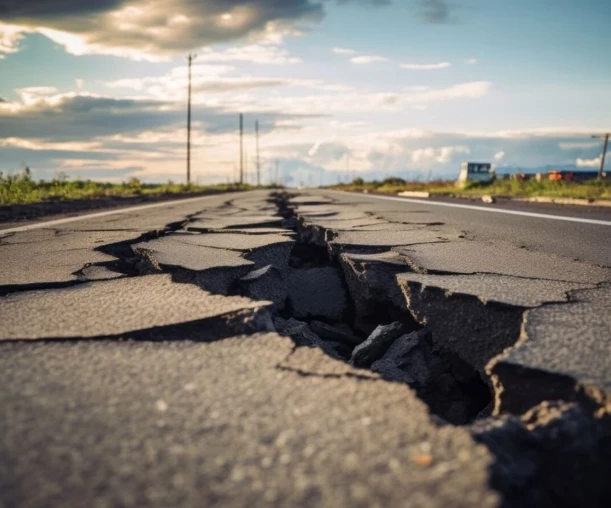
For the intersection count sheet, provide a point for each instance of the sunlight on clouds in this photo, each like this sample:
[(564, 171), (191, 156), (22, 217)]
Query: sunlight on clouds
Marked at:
[(10, 36), (367, 59), (255, 53), (154, 30), (426, 67), (588, 163), (343, 51)]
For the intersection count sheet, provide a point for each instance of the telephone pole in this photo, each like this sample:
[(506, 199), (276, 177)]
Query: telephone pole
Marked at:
[(605, 137), (348, 168), (190, 59), (258, 162), (241, 148), (246, 176)]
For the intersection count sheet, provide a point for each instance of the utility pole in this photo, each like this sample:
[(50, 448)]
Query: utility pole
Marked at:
[(605, 137), (246, 176), (258, 163), (347, 168), (190, 59), (241, 148), (277, 172)]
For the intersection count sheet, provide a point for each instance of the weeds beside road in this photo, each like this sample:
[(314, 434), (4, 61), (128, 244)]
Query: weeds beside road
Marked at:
[(594, 189), (21, 189)]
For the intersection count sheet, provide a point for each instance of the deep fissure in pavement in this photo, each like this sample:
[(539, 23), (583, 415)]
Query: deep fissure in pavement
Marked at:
[(552, 451), (320, 312)]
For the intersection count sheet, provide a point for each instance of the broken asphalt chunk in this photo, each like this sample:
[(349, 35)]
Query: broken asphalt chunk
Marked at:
[(336, 332), (169, 252), (564, 349), (469, 257), (376, 344), (267, 283), (113, 308)]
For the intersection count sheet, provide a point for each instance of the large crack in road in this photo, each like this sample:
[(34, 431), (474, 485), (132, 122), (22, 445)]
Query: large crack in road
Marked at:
[(372, 292), (448, 335)]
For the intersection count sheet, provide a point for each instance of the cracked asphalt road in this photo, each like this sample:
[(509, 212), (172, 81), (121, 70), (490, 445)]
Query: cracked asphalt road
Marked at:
[(200, 354)]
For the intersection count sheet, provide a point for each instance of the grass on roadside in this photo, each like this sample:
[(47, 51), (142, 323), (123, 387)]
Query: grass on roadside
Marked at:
[(593, 189), (20, 188)]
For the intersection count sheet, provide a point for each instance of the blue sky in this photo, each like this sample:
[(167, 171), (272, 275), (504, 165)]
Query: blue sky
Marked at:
[(402, 87)]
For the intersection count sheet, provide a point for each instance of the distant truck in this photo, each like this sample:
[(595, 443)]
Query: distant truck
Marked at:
[(480, 172)]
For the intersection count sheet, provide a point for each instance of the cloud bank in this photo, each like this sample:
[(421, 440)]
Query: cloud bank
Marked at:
[(154, 29)]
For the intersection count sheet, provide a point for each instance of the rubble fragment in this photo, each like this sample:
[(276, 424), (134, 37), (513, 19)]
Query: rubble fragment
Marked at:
[(376, 344), (556, 454), (336, 332)]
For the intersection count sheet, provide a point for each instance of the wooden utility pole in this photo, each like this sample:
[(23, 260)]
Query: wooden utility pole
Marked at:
[(258, 162), (190, 59), (246, 177), (348, 168), (605, 137), (241, 148)]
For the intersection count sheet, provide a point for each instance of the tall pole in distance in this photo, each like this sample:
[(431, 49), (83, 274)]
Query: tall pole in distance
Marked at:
[(258, 160), (241, 148), (602, 158), (348, 168), (190, 59)]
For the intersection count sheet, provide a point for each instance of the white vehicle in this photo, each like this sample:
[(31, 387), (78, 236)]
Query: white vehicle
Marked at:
[(481, 172)]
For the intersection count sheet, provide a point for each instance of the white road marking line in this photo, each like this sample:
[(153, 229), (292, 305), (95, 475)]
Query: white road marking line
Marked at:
[(56, 222), (482, 209)]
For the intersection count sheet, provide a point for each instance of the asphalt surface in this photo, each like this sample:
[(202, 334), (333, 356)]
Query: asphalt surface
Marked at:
[(588, 242), (199, 353)]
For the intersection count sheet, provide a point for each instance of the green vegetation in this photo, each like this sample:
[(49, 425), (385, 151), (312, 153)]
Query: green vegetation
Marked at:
[(20, 188), (593, 189)]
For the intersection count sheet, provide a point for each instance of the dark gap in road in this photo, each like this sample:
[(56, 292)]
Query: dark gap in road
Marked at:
[(210, 329), (19, 288), (384, 338)]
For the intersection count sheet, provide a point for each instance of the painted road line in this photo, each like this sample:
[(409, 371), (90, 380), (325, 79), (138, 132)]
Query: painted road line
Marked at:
[(481, 209), (56, 222)]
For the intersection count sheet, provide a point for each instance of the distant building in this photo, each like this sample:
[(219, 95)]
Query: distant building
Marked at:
[(481, 172)]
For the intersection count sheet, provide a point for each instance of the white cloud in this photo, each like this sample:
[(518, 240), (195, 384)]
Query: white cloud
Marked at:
[(426, 67), (211, 80), (343, 51), (155, 29), (578, 145), (367, 59), (499, 155), (441, 155), (354, 101), (472, 61), (9, 39), (35, 94), (588, 163), (255, 53)]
